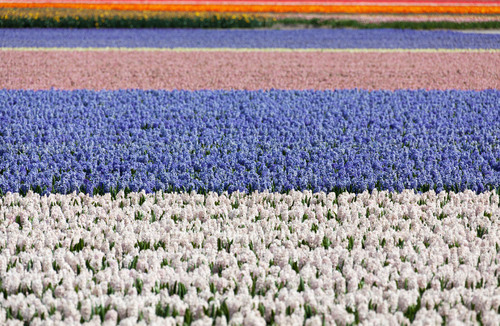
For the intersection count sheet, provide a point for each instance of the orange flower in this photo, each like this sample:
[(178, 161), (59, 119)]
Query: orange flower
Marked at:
[(350, 9)]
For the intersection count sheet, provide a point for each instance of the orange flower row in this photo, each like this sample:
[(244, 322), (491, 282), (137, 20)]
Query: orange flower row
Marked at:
[(348, 9)]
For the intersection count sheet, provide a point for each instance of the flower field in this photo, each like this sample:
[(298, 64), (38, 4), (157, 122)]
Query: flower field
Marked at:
[(298, 176)]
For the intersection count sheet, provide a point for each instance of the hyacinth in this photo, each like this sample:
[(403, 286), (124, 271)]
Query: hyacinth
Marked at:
[(379, 257), (250, 70), (349, 140), (244, 39)]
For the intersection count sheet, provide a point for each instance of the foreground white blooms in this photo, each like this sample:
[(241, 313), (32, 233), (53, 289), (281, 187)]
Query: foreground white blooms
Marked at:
[(379, 258)]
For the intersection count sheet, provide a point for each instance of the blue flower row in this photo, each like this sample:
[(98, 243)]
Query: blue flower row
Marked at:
[(101, 141), (199, 38)]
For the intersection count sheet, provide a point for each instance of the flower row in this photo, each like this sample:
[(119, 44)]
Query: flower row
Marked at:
[(201, 70), (376, 258), (104, 141), (241, 38), (404, 8), (385, 18), (89, 18)]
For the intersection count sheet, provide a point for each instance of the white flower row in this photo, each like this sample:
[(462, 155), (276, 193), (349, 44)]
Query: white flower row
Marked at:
[(379, 258)]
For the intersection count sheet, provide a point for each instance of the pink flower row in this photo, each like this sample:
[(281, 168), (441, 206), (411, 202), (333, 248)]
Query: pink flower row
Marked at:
[(248, 70), (381, 18)]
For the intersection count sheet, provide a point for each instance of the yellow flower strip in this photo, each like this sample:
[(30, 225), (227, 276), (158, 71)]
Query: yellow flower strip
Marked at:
[(47, 12), (146, 49), (348, 9)]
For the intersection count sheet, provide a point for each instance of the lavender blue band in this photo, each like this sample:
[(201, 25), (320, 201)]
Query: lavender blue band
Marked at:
[(353, 140), (203, 38)]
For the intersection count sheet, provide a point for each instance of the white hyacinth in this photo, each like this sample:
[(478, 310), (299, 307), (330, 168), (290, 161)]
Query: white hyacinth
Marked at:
[(252, 259)]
